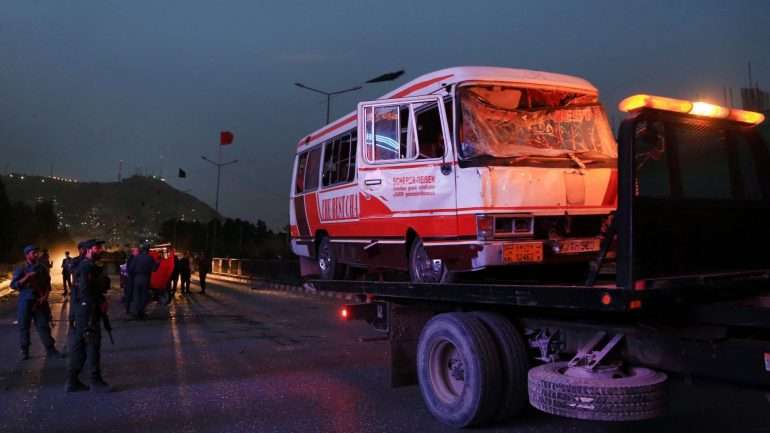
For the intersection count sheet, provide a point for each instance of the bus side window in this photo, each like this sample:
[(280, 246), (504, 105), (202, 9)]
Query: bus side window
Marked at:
[(430, 134), (329, 167), (353, 156), (343, 159), (312, 170), (299, 180)]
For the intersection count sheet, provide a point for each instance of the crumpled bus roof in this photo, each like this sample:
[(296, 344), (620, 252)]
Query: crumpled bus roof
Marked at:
[(431, 83)]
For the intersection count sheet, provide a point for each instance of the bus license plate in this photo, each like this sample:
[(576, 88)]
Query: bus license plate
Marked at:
[(572, 246), (523, 253)]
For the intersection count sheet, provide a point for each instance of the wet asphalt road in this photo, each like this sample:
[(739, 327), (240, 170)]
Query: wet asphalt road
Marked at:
[(240, 360)]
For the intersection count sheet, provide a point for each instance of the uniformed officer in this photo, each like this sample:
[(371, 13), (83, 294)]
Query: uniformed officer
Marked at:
[(139, 272), (89, 304), (66, 272), (128, 290), (74, 264), (30, 280)]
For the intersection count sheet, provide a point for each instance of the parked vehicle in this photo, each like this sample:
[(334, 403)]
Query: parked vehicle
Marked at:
[(459, 170), (691, 291), (160, 280)]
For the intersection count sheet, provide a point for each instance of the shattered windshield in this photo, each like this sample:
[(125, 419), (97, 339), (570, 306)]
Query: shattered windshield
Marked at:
[(506, 122)]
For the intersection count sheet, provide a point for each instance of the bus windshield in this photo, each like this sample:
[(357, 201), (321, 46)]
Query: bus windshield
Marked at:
[(507, 122)]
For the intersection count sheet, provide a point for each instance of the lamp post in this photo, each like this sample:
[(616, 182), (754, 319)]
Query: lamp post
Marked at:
[(328, 95), (219, 166)]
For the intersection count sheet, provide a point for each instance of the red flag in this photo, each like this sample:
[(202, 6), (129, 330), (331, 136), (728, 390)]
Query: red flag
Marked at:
[(225, 138)]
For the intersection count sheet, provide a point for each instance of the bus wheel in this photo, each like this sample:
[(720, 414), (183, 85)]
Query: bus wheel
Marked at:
[(606, 394), (514, 363), (327, 261), (458, 369), (423, 269)]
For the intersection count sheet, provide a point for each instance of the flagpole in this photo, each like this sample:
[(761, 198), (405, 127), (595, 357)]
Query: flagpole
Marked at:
[(219, 176)]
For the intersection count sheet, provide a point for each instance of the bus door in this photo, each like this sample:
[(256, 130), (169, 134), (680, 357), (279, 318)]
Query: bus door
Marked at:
[(405, 171)]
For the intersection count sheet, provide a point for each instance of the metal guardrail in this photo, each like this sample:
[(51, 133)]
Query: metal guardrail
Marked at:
[(275, 270)]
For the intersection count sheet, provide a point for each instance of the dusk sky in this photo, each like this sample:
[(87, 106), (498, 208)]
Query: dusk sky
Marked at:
[(85, 84)]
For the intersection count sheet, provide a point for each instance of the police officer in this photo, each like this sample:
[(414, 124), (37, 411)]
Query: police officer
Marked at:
[(128, 290), (66, 272), (74, 264), (30, 280), (89, 304), (139, 272), (184, 273)]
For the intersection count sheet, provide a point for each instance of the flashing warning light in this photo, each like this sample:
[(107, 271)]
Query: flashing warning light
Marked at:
[(344, 313), (636, 102), (709, 110), (703, 109), (743, 116), (606, 299)]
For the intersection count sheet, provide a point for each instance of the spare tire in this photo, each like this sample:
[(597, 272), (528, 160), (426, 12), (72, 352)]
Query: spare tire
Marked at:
[(639, 394)]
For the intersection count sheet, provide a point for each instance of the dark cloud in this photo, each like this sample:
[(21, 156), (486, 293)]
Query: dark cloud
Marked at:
[(84, 85)]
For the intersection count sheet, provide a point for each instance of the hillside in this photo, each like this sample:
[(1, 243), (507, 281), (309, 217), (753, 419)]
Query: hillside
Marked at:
[(118, 212)]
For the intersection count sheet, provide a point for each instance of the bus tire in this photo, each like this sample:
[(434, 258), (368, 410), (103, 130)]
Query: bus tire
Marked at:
[(420, 266), (639, 395), (458, 370), (514, 363), (331, 269)]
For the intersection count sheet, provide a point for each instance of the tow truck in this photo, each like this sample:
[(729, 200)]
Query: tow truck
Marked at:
[(681, 284)]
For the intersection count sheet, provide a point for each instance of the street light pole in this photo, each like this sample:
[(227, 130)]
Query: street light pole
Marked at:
[(328, 95), (219, 166)]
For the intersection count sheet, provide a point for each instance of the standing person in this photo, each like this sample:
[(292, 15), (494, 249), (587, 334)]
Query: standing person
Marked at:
[(139, 271), (74, 265), (85, 336), (66, 272), (128, 290), (175, 274), (45, 260), (204, 267), (184, 273), (33, 286)]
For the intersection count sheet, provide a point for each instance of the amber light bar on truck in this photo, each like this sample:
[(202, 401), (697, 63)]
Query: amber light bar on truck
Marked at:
[(696, 108)]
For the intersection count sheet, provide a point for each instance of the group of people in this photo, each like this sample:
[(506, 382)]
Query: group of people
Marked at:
[(88, 309), (86, 284)]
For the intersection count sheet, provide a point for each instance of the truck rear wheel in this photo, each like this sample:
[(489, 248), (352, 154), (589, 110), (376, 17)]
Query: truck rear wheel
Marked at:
[(632, 394), (458, 369), (514, 363)]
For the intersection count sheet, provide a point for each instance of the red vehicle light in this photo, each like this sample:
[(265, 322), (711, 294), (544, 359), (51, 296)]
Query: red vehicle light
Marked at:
[(344, 313), (485, 227)]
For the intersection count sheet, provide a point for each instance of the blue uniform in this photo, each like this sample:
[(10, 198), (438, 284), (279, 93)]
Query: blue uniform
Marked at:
[(30, 306), (128, 290), (139, 272), (85, 336)]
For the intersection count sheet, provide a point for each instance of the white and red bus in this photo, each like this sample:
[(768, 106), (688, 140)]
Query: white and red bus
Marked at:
[(458, 170)]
